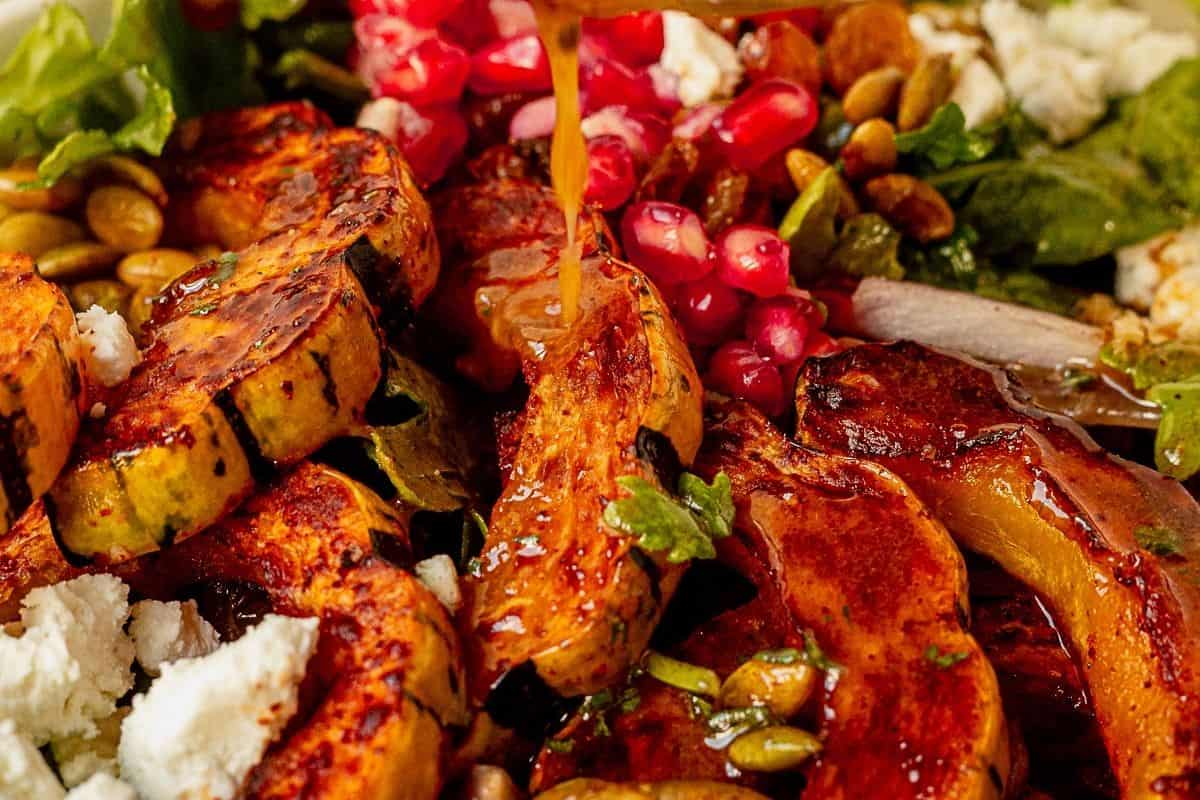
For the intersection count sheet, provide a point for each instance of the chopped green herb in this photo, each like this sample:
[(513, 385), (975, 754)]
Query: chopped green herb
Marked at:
[(786, 655), (531, 540), (945, 142), (816, 656), (740, 719), (1159, 541), (560, 745), (1075, 378), (474, 567), (203, 310), (943, 660), (685, 529), (629, 700)]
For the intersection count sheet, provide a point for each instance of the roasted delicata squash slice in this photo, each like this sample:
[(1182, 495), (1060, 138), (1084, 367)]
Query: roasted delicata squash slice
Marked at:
[(387, 668), (913, 709), (556, 587), (264, 355), (586, 789), (1113, 548), (41, 390)]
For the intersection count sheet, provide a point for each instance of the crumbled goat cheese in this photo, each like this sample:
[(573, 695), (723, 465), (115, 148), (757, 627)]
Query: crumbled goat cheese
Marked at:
[(165, 632), (440, 577), (978, 90), (108, 349), (206, 722), (1133, 54), (1176, 308), (962, 48), (1142, 268), (24, 774), (80, 757), (102, 787), (1059, 88), (706, 64), (71, 663)]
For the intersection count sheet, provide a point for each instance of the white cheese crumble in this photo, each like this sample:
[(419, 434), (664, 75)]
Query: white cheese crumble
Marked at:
[(206, 722), (1176, 308), (1133, 54), (977, 90), (707, 66), (1059, 88), (71, 663), (440, 577), (24, 774), (962, 48), (108, 348), (80, 757), (102, 787), (1142, 268), (166, 632)]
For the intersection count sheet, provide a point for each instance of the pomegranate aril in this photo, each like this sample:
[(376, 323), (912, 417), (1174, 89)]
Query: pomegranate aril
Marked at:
[(707, 310), (777, 328), (431, 139), (610, 178), (424, 13), (697, 121), (512, 17), (763, 121), (645, 134), (753, 258), (605, 82), (667, 241), (534, 120), (781, 50), (736, 370), (821, 344), (633, 39), (811, 20), (433, 72), (518, 64)]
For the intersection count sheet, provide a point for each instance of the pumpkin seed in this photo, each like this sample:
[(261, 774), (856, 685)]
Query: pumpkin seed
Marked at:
[(110, 295), (873, 95), (804, 167), (133, 172), (35, 232), (76, 261), (773, 749), (682, 675), (925, 91), (66, 192), (154, 268), (124, 218), (783, 688)]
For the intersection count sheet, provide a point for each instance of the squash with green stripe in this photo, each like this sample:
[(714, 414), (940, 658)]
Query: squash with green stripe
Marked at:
[(262, 356), (41, 393)]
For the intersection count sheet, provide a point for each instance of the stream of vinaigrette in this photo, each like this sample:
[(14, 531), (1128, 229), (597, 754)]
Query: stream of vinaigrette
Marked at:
[(559, 25)]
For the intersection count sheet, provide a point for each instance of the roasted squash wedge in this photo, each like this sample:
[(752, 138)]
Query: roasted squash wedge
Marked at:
[(555, 586), (264, 355), (41, 390), (914, 709), (585, 789), (388, 670), (1113, 548)]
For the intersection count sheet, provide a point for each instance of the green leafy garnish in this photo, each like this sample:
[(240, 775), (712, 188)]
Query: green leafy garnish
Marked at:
[(1149, 365), (598, 706), (943, 660), (945, 142), (684, 528), (256, 12), (1159, 541), (816, 656), (560, 745), (1177, 443), (304, 68), (1075, 378), (785, 655), (867, 246)]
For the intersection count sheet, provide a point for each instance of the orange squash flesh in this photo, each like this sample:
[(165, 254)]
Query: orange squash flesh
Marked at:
[(1112, 547), (859, 560)]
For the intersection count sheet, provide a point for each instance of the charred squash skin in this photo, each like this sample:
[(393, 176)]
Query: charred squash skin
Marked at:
[(387, 668), (556, 587), (259, 358), (1035, 494), (41, 390), (858, 559)]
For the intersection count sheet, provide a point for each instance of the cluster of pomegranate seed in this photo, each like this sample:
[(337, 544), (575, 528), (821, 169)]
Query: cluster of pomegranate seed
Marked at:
[(732, 298), (748, 327)]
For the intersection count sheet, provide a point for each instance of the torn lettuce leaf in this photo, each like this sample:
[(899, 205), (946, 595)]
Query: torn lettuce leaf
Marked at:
[(66, 98), (944, 142)]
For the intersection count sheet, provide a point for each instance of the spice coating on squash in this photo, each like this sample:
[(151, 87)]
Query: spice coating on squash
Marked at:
[(1112, 547), (387, 676), (264, 355), (556, 586), (41, 389), (915, 709)]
